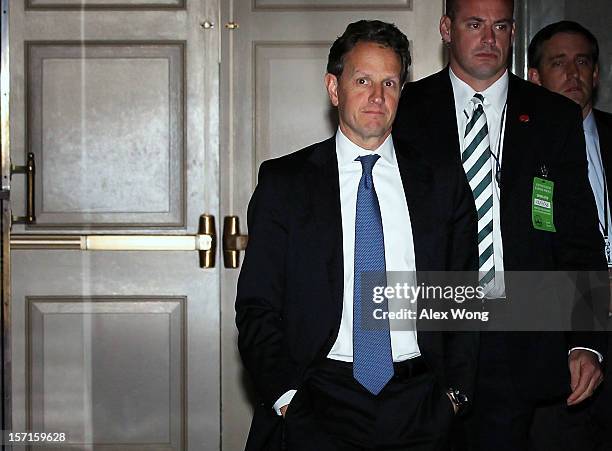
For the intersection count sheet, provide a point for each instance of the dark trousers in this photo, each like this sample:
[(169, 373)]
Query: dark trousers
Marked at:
[(601, 415), (500, 417), (601, 409), (557, 427), (331, 411), (585, 427)]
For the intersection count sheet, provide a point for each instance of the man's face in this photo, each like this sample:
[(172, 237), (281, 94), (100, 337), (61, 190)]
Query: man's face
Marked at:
[(366, 93), (567, 67), (479, 39)]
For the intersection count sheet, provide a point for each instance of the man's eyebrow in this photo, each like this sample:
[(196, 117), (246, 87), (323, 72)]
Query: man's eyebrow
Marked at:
[(480, 19), (361, 73), (564, 55), (557, 56)]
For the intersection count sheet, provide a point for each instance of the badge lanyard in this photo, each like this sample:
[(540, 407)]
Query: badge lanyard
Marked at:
[(502, 126), (605, 226)]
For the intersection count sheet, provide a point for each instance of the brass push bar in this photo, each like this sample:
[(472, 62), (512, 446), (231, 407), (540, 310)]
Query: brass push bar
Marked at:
[(204, 242), (30, 171), (113, 242)]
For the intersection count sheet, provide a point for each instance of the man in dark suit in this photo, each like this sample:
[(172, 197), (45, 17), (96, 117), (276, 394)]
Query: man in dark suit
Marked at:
[(532, 143), (319, 220), (564, 58)]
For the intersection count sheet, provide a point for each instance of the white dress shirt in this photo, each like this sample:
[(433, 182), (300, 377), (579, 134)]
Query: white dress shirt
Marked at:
[(597, 180), (597, 176), (494, 104), (399, 245)]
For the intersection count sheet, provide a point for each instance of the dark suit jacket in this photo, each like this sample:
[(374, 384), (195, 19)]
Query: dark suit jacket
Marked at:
[(603, 121), (290, 290), (542, 129), (602, 408)]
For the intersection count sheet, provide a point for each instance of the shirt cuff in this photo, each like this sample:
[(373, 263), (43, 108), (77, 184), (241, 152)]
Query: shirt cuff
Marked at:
[(599, 356), (283, 401)]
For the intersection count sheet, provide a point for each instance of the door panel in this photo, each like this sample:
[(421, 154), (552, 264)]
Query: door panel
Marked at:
[(114, 369), (274, 102), (118, 137), (102, 4), (277, 68), (119, 104), (74, 361), (310, 5)]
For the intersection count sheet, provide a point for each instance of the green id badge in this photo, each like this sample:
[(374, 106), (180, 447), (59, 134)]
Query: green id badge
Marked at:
[(542, 205)]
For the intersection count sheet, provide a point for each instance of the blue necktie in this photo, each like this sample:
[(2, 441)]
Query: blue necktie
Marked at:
[(372, 358)]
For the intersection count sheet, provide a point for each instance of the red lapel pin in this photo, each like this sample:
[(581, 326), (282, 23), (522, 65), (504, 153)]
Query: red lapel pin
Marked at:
[(524, 118)]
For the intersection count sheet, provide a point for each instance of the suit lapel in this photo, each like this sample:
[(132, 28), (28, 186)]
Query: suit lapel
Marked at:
[(442, 132), (416, 180), (324, 187), (604, 130), (517, 133)]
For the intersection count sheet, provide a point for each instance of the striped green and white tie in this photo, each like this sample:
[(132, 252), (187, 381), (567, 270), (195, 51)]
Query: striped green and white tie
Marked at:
[(476, 163)]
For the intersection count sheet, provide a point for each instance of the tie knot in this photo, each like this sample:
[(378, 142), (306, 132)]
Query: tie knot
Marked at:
[(368, 162), (475, 106)]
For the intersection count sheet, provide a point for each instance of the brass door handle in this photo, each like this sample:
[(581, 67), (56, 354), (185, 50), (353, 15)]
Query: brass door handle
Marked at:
[(207, 227), (30, 171), (233, 242)]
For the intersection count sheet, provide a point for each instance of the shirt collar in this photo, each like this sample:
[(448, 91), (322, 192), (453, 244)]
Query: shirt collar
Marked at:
[(589, 123), (495, 95), (347, 151)]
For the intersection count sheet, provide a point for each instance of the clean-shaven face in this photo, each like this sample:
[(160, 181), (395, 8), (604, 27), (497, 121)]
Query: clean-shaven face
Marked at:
[(366, 93), (567, 67), (479, 40)]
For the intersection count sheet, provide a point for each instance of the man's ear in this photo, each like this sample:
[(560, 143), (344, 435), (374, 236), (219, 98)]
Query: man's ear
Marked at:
[(445, 29), (534, 76), (331, 83), (596, 76)]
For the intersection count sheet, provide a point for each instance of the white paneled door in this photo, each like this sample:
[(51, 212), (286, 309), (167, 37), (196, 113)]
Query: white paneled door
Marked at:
[(117, 100)]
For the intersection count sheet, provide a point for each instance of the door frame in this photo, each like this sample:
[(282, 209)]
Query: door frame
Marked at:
[(5, 172)]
